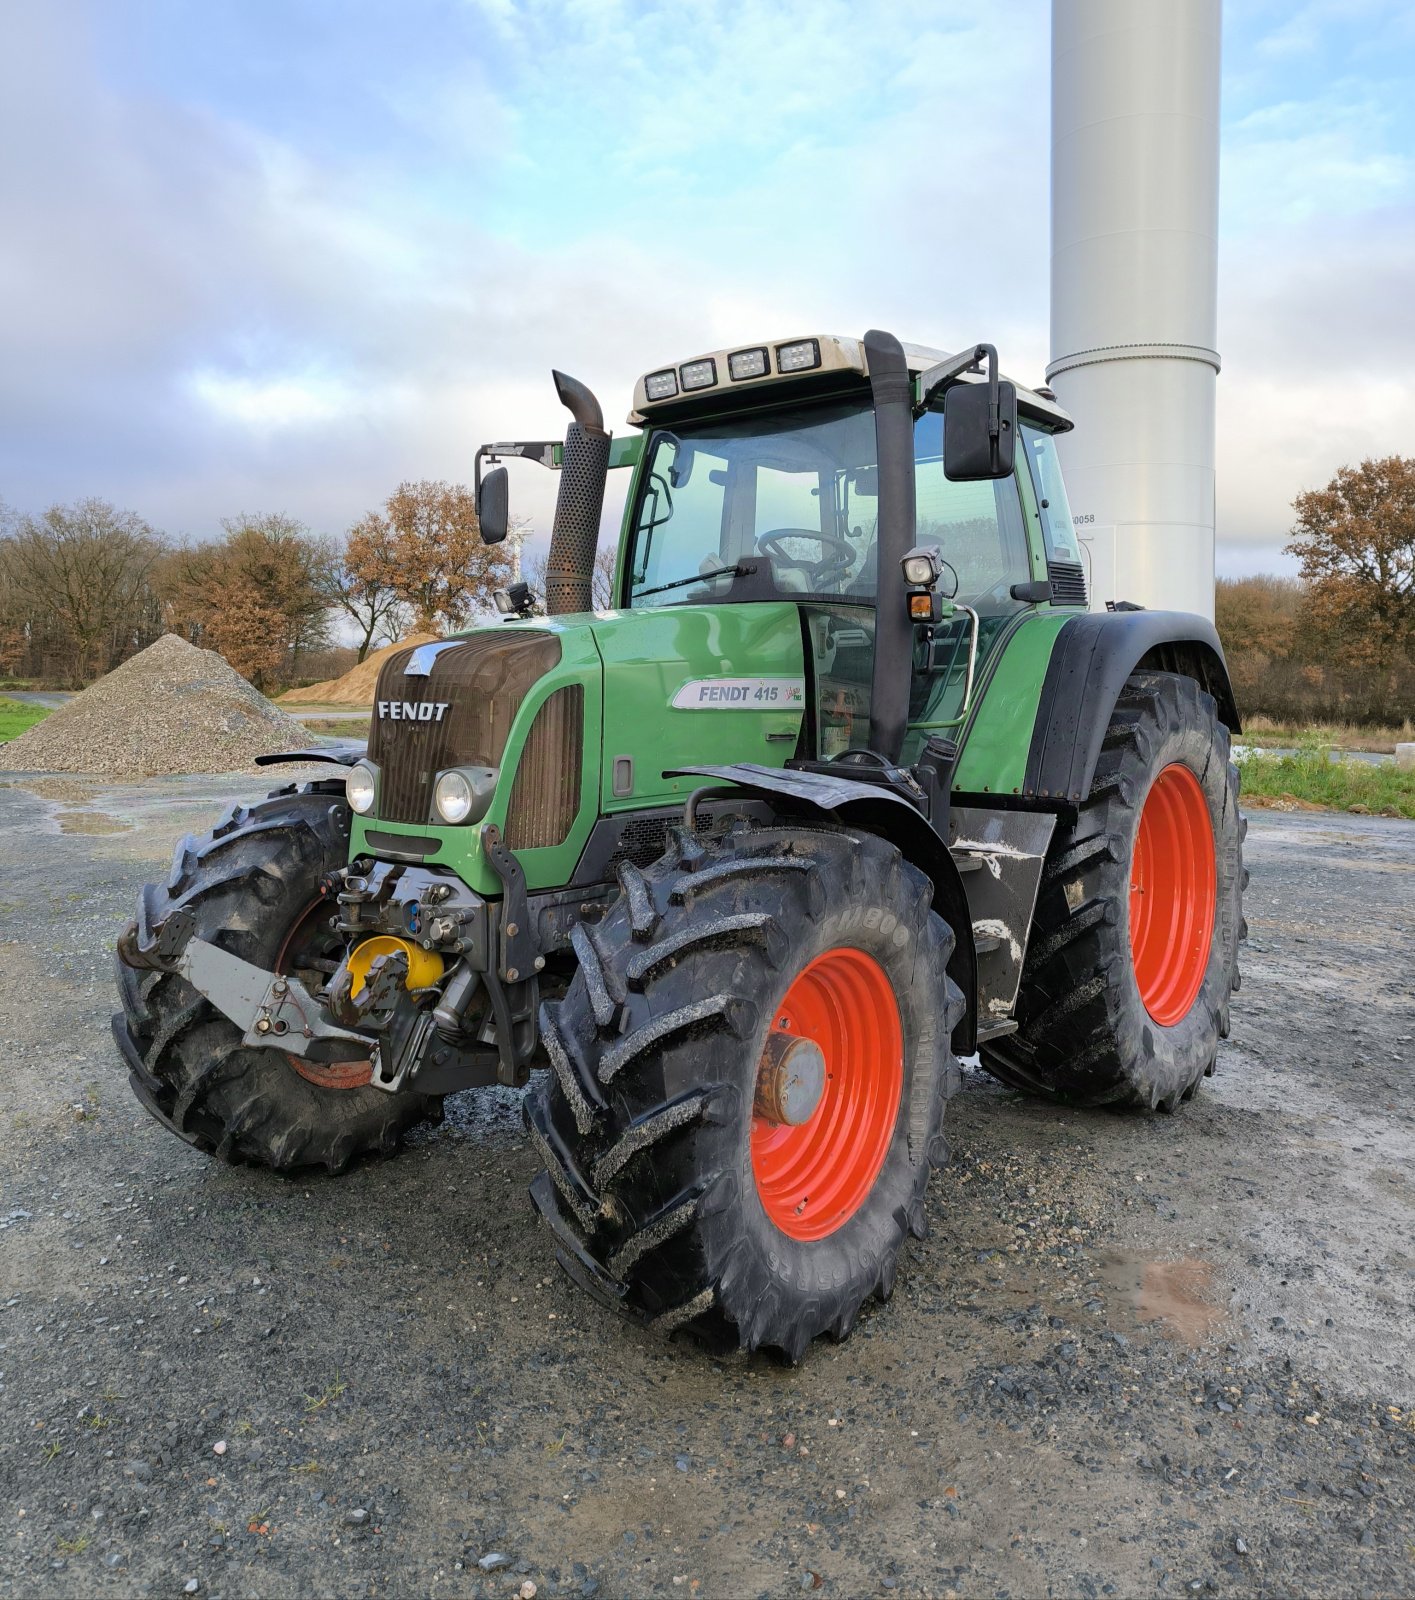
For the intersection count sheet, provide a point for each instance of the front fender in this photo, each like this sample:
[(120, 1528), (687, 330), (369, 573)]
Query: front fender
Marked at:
[(340, 753), (876, 810)]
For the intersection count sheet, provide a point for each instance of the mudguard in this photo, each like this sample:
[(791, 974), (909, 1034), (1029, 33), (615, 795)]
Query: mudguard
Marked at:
[(340, 753), (866, 805), (1093, 656)]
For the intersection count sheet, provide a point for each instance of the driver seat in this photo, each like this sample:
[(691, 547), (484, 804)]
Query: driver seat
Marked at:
[(865, 582)]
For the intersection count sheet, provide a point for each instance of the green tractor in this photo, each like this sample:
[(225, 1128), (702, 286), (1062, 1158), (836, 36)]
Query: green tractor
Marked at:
[(847, 783)]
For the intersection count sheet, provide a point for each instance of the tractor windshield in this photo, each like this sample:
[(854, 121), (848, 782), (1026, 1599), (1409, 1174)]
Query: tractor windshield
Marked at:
[(786, 506), (761, 508)]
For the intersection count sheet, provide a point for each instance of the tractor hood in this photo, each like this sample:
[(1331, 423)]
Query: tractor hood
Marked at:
[(578, 716)]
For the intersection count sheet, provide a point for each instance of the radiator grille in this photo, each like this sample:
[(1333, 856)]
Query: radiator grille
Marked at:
[(1068, 583), (545, 798), (482, 681)]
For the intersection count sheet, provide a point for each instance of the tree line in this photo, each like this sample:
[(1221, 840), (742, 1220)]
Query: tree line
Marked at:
[(1336, 643), (84, 586)]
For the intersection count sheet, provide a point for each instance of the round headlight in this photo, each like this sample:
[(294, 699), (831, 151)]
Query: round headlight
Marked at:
[(452, 795), (464, 794), (361, 787)]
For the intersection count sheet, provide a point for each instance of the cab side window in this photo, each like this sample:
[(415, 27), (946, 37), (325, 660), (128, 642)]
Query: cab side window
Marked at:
[(981, 533), (1063, 550), (978, 527)]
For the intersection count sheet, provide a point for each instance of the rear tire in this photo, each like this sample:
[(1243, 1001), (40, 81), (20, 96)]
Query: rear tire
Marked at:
[(668, 1192), (250, 883), (1121, 1002)]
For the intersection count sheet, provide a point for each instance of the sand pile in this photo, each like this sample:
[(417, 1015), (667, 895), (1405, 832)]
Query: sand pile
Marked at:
[(356, 687), (171, 708)]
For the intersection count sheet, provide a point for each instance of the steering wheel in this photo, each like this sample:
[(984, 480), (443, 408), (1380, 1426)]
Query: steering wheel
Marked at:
[(836, 558)]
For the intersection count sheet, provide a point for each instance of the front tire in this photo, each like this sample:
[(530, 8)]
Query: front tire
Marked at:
[(1134, 946), (682, 1182), (253, 886)]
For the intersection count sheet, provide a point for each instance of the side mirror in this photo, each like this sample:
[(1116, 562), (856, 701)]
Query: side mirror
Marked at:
[(975, 444), (493, 506)]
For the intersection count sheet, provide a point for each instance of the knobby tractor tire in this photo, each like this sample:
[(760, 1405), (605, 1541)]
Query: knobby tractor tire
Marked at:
[(667, 1192), (251, 883), (1134, 946)]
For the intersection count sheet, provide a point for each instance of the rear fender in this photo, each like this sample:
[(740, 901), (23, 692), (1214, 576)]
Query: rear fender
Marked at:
[(876, 810), (1090, 661)]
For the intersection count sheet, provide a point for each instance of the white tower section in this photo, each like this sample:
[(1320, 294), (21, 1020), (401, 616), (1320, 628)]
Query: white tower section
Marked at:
[(1134, 261)]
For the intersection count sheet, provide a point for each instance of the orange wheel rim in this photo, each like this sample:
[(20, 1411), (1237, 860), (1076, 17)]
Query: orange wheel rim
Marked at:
[(1173, 895), (812, 1177)]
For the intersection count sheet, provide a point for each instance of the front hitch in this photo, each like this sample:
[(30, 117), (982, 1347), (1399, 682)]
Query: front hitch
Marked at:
[(272, 1010)]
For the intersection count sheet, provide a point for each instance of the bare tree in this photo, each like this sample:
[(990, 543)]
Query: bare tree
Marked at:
[(83, 573)]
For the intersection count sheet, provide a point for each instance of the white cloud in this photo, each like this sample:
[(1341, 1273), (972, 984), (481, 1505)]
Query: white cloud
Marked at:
[(271, 402)]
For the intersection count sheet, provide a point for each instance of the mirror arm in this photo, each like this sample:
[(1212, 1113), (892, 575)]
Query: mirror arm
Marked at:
[(541, 451), (934, 378)]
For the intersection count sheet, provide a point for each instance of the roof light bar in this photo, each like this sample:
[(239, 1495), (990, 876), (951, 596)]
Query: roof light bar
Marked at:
[(661, 385)]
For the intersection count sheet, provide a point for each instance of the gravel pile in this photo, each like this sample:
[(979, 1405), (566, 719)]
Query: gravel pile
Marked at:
[(172, 708), (357, 686)]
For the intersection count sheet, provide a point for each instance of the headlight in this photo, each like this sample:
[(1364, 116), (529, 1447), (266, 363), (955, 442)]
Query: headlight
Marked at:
[(361, 787), (463, 794)]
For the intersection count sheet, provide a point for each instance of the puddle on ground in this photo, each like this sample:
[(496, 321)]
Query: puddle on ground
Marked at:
[(90, 822), (1178, 1295), (69, 791)]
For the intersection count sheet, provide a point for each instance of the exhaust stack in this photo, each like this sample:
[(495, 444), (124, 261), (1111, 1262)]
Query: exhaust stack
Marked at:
[(574, 534)]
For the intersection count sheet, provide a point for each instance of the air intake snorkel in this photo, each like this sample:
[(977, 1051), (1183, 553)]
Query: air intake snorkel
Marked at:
[(574, 534)]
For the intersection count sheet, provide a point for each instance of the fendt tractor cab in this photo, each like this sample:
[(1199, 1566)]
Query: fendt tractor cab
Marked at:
[(845, 784)]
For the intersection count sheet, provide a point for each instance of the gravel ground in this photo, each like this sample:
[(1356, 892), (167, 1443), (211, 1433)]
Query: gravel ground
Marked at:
[(1135, 1356)]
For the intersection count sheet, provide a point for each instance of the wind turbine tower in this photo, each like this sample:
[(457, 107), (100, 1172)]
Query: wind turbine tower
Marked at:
[(1134, 264)]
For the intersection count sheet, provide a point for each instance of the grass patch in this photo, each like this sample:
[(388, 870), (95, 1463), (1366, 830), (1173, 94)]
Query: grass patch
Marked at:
[(338, 727), (1311, 778), (1260, 730), (16, 717), (332, 1391)]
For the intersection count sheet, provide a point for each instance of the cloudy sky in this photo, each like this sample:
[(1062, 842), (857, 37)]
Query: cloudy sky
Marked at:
[(279, 254)]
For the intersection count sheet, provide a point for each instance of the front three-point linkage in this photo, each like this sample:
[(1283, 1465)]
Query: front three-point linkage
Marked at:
[(270, 1009)]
